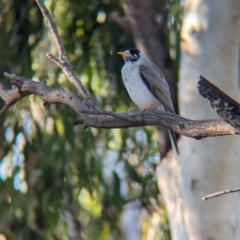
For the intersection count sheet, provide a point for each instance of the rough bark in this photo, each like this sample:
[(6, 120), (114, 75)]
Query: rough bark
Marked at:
[(94, 117), (226, 107), (210, 46)]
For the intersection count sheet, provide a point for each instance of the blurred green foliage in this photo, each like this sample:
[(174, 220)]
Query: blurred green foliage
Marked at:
[(52, 173)]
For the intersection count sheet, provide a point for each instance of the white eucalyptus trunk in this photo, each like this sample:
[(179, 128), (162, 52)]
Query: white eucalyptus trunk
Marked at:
[(210, 47)]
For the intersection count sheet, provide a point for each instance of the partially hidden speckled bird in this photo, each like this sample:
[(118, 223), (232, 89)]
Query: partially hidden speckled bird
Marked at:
[(146, 85)]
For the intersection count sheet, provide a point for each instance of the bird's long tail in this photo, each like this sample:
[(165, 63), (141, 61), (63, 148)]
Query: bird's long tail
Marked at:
[(173, 141)]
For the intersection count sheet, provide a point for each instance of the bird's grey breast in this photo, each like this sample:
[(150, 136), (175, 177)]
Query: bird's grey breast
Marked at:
[(137, 89)]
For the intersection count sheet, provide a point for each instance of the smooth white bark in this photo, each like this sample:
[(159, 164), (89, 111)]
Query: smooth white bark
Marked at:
[(210, 47)]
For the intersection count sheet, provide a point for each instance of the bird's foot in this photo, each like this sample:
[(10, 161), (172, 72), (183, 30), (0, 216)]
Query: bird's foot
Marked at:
[(152, 106)]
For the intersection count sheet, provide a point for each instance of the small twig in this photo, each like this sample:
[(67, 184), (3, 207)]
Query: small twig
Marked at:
[(63, 62), (55, 60), (53, 28), (217, 194)]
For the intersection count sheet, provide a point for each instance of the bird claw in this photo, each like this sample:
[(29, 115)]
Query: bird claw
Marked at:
[(152, 106)]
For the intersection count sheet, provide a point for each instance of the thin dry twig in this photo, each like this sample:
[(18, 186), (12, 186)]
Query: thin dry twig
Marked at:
[(217, 194), (63, 62), (53, 28)]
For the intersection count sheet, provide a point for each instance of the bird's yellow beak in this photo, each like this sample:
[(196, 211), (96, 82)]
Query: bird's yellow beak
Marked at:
[(123, 54)]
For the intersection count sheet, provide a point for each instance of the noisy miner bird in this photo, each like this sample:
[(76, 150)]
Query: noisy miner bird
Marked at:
[(146, 85)]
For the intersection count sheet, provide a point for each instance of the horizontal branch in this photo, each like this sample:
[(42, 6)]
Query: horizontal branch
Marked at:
[(104, 119)]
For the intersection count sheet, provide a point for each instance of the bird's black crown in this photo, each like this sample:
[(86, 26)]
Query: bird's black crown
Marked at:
[(134, 51)]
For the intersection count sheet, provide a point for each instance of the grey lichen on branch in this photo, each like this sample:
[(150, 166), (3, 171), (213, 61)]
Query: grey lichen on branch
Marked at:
[(226, 107)]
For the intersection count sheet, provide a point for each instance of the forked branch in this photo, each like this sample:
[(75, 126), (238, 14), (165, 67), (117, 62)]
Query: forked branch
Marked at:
[(104, 119), (92, 116), (63, 62)]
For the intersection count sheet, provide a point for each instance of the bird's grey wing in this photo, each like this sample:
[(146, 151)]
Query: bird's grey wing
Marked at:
[(157, 84)]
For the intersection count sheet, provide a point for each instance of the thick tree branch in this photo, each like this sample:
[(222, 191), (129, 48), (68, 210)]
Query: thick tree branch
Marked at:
[(92, 116), (104, 119), (227, 108), (9, 97), (49, 95)]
